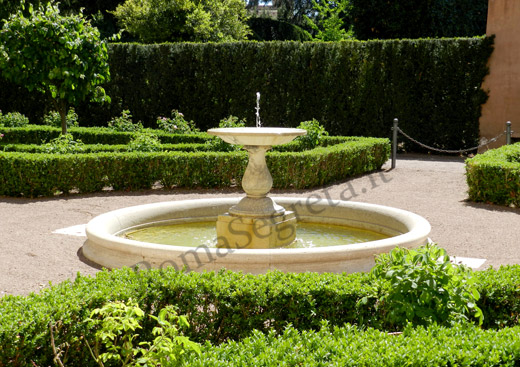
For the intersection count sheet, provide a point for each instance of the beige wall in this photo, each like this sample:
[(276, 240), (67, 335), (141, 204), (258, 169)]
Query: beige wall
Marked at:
[(503, 81)]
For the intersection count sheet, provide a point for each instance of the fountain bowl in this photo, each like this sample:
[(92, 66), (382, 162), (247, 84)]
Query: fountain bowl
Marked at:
[(257, 136), (105, 247)]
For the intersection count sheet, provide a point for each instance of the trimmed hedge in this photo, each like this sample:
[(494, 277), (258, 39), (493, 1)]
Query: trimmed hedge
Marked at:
[(460, 345), (494, 176), (96, 148), (28, 174), (226, 306), (36, 134), (353, 88)]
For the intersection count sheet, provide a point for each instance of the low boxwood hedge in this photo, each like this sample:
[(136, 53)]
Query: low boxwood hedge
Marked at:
[(494, 176), (96, 148), (38, 134), (182, 147), (228, 306), (42, 174), (460, 345)]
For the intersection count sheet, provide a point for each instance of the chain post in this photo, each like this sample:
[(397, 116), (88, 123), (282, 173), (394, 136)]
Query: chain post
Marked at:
[(508, 132), (394, 142)]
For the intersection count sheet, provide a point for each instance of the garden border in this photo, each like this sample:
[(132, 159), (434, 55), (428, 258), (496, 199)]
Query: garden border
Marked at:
[(43, 174), (494, 176)]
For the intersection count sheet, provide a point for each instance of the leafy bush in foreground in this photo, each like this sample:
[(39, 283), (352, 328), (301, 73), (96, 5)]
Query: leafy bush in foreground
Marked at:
[(229, 306), (459, 345), (423, 287), (117, 325)]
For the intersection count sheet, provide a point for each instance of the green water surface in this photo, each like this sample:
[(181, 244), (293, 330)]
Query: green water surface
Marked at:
[(308, 235)]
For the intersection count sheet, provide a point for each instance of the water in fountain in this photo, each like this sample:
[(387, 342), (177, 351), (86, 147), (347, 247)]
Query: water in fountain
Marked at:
[(203, 233), (258, 122)]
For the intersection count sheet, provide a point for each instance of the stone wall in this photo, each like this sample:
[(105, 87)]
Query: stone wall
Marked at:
[(503, 81)]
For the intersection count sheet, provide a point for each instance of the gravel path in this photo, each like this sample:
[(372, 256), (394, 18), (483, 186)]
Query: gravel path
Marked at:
[(431, 186)]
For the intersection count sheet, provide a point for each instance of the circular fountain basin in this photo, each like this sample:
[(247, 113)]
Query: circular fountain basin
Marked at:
[(105, 247), (257, 136)]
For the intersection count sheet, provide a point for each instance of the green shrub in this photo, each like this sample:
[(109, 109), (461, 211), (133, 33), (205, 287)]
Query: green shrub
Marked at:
[(176, 124), (423, 287), (328, 23), (144, 142), (26, 174), (494, 176), (63, 144), (228, 306), (13, 119), (117, 324), (53, 119), (315, 133), (311, 168), (232, 121), (97, 148), (460, 345), (124, 123), (35, 134)]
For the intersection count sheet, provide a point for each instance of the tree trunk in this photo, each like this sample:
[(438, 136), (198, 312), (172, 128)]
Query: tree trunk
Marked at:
[(61, 107)]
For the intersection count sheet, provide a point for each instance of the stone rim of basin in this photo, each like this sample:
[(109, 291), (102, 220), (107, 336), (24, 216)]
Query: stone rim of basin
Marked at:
[(259, 136)]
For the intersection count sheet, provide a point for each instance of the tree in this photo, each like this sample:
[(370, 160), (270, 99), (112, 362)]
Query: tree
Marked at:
[(294, 11), (184, 20), (61, 56), (329, 23)]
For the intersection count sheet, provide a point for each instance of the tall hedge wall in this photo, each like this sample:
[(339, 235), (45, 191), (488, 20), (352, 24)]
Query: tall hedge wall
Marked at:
[(353, 88)]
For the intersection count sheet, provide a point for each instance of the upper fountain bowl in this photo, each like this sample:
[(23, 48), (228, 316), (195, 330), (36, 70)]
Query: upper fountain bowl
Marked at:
[(257, 136)]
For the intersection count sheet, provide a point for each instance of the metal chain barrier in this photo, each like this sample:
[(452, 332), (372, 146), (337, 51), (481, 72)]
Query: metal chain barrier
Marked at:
[(448, 150), (508, 132)]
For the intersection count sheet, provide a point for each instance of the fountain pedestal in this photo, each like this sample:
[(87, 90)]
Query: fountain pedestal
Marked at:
[(255, 233), (256, 221)]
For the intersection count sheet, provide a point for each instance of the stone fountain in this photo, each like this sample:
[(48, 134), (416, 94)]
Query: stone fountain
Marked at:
[(256, 221), (246, 224), (252, 231)]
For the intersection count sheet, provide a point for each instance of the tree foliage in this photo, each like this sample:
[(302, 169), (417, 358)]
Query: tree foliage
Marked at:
[(96, 10), (294, 11), (386, 19), (184, 20), (62, 56), (329, 22)]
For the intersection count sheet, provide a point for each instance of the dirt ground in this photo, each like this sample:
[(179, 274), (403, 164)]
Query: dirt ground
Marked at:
[(431, 186)]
